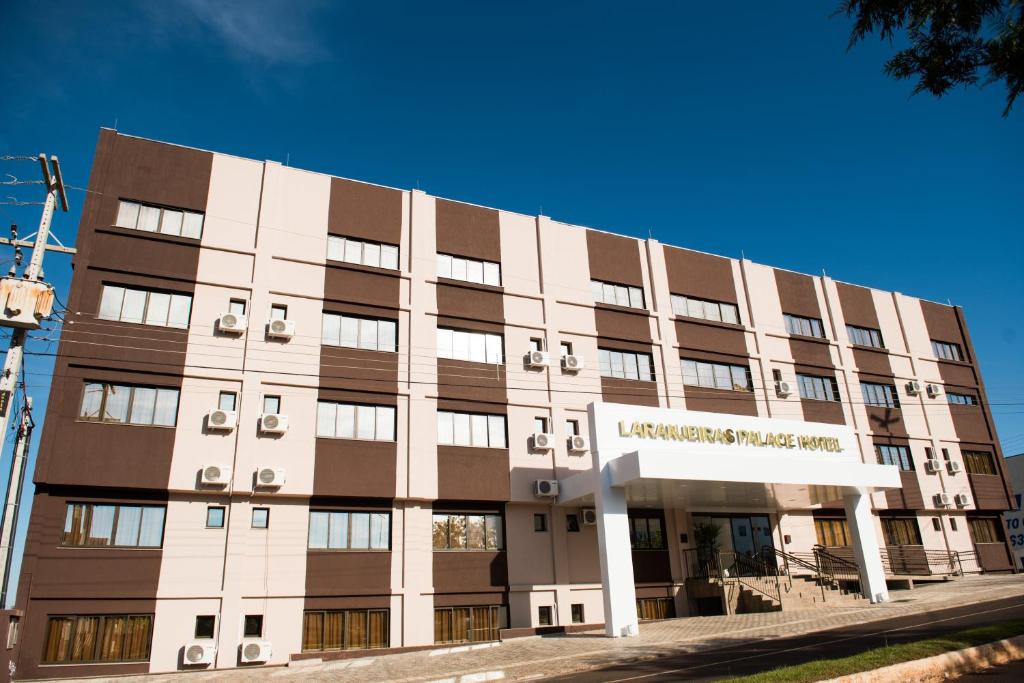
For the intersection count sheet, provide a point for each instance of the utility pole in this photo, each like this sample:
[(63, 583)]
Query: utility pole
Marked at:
[(10, 521), (14, 315)]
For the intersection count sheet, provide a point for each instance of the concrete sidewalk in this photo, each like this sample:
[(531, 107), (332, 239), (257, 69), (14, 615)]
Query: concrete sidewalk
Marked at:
[(534, 658)]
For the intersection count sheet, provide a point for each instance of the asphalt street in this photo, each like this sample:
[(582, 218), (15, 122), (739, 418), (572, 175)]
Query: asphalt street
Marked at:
[(754, 657)]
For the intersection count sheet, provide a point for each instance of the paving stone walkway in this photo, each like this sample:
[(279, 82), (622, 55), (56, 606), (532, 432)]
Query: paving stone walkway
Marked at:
[(536, 658)]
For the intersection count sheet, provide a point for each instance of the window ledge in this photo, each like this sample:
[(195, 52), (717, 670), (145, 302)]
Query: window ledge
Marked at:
[(133, 323), (961, 363), (466, 284), (469, 550), (804, 337), (378, 270), (356, 439), (622, 309), (145, 234), (712, 323), (875, 349), (122, 424), (347, 551)]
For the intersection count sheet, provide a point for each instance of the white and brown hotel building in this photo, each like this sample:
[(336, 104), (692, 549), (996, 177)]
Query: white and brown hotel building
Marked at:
[(394, 410)]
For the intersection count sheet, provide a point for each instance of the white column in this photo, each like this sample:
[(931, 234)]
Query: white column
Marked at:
[(616, 559), (865, 546)]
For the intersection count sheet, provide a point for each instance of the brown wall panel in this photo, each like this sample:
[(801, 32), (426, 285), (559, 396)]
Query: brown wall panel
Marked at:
[(468, 230), (874, 362), (472, 571), (989, 492), (858, 305), (651, 566), (144, 253), (614, 258), (830, 412), (703, 276), (704, 337), (470, 599), (359, 370), (472, 474), (470, 302), (960, 374), (942, 324), (886, 421), (347, 573), (811, 353), (351, 467), (468, 381), (909, 497), (365, 211), (615, 323), (992, 557), (631, 391), (721, 401), (797, 294), (360, 285), (969, 423)]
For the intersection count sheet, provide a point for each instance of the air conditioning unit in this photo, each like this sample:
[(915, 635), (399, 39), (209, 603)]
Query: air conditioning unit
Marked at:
[(782, 388), (571, 363), (254, 650), (913, 388), (942, 500), (543, 442), (200, 653), (545, 488), (269, 477), (934, 390), (578, 444), (932, 465), (221, 419), (216, 475), (232, 323), (272, 423), (962, 500), (589, 516), (281, 329), (537, 359), (953, 466)]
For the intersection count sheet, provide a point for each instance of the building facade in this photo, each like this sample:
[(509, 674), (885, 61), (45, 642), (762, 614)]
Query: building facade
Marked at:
[(301, 411), (1014, 517)]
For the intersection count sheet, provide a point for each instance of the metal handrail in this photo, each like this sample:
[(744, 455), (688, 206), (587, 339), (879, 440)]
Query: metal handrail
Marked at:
[(812, 567), (836, 569), (754, 573)]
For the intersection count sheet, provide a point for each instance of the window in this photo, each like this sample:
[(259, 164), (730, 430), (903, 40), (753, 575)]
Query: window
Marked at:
[(468, 270), (646, 533), (227, 400), (271, 405), (572, 428), (652, 609), (205, 626), (145, 307), (278, 312), (572, 523), (618, 295), (880, 395), (349, 421), (236, 306), (470, 429), (339, 530), (536, 344), (468, 624), (947, 350), (979, 462), (544, 615), (253, 626), (708, 310), (625, 364), (808, 327), (468, 531), (895, 455), (865, 336), (962, 399), (98, 638), (123, 404), (577, 613), (135, 216), (697, 373), (819, 388), (900, 531), (936, 524), (260, 518), (832, 532), (952, 524), (565, 348), (540, 522), (350, 629), (540, 425), (479, 347), (985, 530), (359, 333), (95, 525), (215, 517), (13, 626), (362, 253)]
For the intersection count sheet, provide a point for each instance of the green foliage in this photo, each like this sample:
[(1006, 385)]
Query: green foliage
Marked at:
[(952, 42)]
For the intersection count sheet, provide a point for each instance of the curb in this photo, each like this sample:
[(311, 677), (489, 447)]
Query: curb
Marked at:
[(944, 666)]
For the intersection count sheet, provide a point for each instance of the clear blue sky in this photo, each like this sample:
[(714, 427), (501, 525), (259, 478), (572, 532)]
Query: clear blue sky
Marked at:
[(726, 128)]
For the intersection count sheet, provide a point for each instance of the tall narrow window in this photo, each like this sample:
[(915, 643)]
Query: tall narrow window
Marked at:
[(278, 312), (271, 405)]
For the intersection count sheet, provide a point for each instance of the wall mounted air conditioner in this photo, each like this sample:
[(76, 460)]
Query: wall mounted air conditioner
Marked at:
[(272, 423), (225, 420), (578, 444), (216, 475), (962, 500), (913, 388), (588, 516), (537, 359), (200, 653), (932, 465), (254, 650), (782, 388), (545, 488), (953, 466), (270, 477), (934, 390), (572, 363), (281, 329), (942, 500), (543, 442), (232, 323)]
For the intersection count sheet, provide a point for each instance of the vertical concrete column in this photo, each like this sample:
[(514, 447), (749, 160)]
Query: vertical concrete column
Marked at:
[(865, 546)]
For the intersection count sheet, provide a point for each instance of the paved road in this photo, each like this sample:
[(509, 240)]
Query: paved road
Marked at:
[(769, 654), (1008, 673)]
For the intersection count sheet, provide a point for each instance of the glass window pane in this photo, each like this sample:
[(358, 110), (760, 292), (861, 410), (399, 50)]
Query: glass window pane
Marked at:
[(171, 223), (477, 347), (181, 308), (445, 428), (143, 405), (475, 532), (331, 329), (597, 290), (496, 431), (739, 377), (712, 311), (478, 426), (621, 296), (101, 528), (349, 332), (91, 399), (618, 368), (695, 308), (705, 374), (385, 423), (151, 535), (128, 214), (380, 530), (338, 537), (116, 406), (458, 268), (730, 314), (318, 529), (630, 366), (192, 225), (689, 373), (371, 255), (368, 334), (389, 257), (636, 297), (444, 343), (457, 531), (439, 531), (461, 429), (326, 417), (366, 422), (475, 271), (111, 302), (495, 532), (353, 251), (166, 412), (723, 378), (156, 311), (335, 248), (444, 265), (460, 345), (643, 362), (492, 274), (494, 352), (149, 218), (386, 331), (134, 305), (604, 362), (129, 517), (360, 531), (345, 427)]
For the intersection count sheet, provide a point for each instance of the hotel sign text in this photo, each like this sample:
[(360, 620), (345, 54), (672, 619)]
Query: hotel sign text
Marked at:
[(739, 437)]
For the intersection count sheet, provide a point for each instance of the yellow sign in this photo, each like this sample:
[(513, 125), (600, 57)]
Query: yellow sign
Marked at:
[(738, 437)]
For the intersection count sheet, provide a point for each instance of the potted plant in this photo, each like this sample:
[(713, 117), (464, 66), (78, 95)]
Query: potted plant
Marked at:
[(705, 535)]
